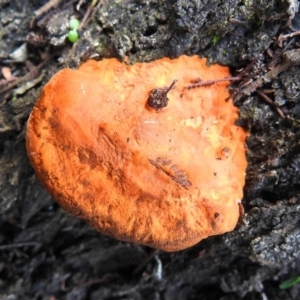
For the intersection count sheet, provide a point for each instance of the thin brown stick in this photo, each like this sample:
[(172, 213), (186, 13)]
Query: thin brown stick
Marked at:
[(210, 82), (30, 75), (283, 37), (46, 7), (269, 101), (276, 57), (248, 90), (92, 9)]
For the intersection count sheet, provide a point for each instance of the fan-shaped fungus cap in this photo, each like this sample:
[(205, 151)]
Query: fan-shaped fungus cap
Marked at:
[(165, 177)]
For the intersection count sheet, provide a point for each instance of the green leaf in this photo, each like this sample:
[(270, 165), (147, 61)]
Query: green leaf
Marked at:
[(74, 24), (289, 283), (73, 36)]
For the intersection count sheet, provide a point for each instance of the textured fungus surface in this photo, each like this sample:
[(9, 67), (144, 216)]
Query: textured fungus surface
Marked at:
[(165, 178)]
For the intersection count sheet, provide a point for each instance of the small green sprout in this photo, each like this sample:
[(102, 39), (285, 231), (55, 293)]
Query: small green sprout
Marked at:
[(73, 34), (74, 24), (215, 39), (289, 283)]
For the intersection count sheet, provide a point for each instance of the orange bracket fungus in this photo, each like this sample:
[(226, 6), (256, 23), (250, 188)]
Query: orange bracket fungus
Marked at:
[(137, 154)]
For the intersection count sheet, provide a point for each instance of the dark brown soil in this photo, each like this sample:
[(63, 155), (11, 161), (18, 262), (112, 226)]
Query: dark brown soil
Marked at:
[(47, 254)]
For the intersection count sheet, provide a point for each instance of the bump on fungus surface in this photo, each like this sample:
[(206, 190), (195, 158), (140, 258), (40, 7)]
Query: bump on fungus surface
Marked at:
[(165, 177)]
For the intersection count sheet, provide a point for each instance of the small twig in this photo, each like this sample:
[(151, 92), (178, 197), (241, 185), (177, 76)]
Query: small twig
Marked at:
[(268, 91), (291, 58), (269, 101), (5, 91), (86, 16), (46, 7), (170, 87), (19, 245), (79, 4), (4, 82), (92, 9), (276, 57), (30, 75), (235, 21), (263, 79), (283, 37), (244, 72), (210, 82)]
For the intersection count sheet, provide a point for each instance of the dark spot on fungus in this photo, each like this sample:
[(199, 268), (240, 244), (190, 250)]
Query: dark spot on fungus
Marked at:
[(54, 124), (158, 97), (174, 168), (87, 156), (225, 152), (163, 161), (166, 162), (174, 173), (159, 159)]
